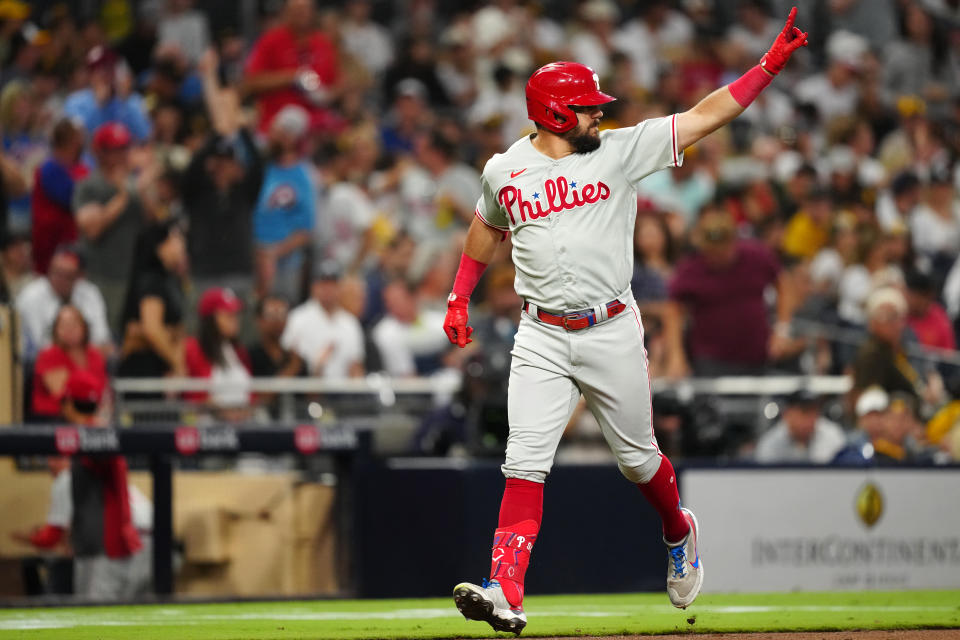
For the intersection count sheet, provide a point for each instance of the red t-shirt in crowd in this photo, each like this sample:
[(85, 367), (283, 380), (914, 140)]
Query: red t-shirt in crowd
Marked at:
[(933, 329), (44, 402), (728, 315), (279, 49)]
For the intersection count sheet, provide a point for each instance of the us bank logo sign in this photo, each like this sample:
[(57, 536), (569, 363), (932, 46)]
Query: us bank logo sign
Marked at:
[(827, 529), (869, 504)]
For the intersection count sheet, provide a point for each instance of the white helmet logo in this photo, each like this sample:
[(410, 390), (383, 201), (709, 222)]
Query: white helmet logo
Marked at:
[(596, 81)]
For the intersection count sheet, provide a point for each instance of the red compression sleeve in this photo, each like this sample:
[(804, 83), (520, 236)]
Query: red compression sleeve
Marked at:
[(468, 275), (747, 87), (47, 536)]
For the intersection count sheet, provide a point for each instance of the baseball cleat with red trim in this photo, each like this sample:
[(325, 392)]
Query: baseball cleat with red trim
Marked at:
[(488, 604), (684, 567)]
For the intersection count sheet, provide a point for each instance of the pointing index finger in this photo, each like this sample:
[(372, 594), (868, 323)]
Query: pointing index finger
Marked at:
[(788, 28)]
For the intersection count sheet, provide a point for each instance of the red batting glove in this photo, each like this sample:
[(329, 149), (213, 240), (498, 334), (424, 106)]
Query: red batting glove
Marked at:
[(455, 324), (789, 40)]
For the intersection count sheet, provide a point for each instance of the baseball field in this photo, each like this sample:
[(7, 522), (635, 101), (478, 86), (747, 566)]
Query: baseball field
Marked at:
[(550, 616)]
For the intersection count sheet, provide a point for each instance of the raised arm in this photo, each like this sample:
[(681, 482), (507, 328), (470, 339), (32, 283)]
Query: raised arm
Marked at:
[(726, 103)]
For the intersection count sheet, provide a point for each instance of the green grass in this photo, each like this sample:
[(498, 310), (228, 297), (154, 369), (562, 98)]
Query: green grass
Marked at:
[(437, 618)]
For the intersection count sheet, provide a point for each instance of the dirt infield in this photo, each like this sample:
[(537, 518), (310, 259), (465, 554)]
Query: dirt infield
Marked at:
[(911, 634)]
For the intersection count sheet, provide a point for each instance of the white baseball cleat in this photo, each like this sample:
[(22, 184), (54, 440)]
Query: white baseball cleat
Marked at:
[(684, 568), (488, 604)]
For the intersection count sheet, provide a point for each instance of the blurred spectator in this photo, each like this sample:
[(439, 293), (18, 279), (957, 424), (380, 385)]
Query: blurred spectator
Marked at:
[(185, 27), (803, 434), (404, 337), (52, 202), (40, 301), (871, 412), (268, 357), (925, 317), (912, 64), (754, 26), (70, 351), (860, 277), (293, 63), (409, 116), (109, 98), (364, 39), (107, 565), (721, 289), (344, 227), (498, 319), (155, 306), (109, 214), (898, 206), (836, 92), (285, 212), (219, 190), (16, 159), (327, 338), (660, 34), (881, 360), (682, 191), (54, 533), (935, 224), (16, 267), (217, 354), (500, 106), (829, 263), (394, 263), (809, 229), (439, 193), (654, 257)]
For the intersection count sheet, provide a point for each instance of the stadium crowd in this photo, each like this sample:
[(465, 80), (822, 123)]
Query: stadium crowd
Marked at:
[(184, 195)]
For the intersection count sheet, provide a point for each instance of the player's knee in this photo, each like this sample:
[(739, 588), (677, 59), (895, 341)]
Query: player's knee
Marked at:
[(642, 472)]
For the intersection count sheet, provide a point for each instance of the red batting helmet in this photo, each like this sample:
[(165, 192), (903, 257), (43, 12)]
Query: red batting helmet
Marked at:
[(555, 87)]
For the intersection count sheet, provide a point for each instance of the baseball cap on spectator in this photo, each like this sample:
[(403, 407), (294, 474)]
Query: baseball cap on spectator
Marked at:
[(327, 270), (872, 399), (802, 398), (14, 10), (411, 88), (886, 296), (218, 299), (83, 387), (112, 135), (292, 120), (911, 105), (847, 48), (101, 58)]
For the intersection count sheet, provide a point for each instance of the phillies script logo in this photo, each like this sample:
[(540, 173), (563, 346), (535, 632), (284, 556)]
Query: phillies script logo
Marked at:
[(558, 194)]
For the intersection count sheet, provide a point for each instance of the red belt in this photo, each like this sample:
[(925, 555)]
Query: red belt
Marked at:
[(578, 319)]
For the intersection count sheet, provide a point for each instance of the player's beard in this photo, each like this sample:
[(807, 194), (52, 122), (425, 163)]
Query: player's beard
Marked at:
[(583, 139)]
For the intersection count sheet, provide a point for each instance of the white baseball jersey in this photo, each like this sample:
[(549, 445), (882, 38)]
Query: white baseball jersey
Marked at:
[(572, 218)]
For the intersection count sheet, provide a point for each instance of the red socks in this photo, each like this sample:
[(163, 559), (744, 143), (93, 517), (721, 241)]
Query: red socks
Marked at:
[(521, 511), (522, 500), (662, 493)]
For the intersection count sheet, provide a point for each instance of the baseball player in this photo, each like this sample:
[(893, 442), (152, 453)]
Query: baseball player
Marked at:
[(567, 193)]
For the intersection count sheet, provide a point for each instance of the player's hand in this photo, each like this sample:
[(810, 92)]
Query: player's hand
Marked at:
[(455, 324), (789, 40)]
